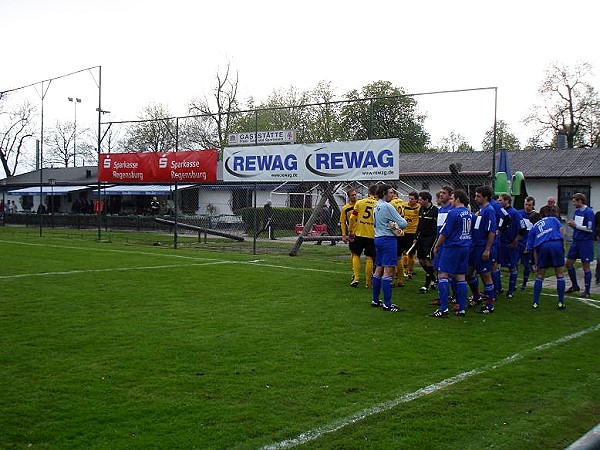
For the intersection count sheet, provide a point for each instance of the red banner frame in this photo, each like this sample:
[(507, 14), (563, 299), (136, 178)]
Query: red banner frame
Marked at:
[(194, 166)]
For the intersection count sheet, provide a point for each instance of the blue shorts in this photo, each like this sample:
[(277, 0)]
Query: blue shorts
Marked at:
[(386, 248), (583, 250), (455, 260), (551, 254), (476, 260), (508, 257), (437, 257), (524, 258)]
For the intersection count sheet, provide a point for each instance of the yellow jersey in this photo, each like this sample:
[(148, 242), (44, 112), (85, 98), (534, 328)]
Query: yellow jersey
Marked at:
[(411, 215), (361, 219), (398, 204), (345, 214)]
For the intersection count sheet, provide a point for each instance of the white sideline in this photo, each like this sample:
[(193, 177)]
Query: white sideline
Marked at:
[(336, 425), (112, 269)]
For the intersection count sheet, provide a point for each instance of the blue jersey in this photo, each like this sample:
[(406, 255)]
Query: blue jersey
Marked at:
[(584, 218), (484, 223), (525, 218), (501, 213), (442, 215), (383, 213), (514, 227), (544, 230), (458, 228)]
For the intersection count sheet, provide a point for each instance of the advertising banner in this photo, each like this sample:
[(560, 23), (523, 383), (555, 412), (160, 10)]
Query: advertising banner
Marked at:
[(172, 167), (262, 137), (331, 161)]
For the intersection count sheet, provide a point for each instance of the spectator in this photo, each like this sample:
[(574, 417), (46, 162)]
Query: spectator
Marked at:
[(76, 206), (550, 209), (327, 219), (268, 221), (154, 206)]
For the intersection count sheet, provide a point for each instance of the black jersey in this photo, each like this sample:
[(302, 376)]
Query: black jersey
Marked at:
[(427, 222)]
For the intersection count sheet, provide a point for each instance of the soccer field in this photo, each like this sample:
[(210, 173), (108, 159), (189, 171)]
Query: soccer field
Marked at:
[(114, 345)]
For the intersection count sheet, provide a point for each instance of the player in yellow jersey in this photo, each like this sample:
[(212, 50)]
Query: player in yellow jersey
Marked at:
[(362, 236), (410, 212), (345, 214)]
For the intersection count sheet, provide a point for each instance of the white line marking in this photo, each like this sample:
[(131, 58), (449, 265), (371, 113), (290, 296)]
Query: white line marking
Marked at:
[(586, 301), (113, 269), (278, 266), (110, 250), (336, 425), (256, 262)]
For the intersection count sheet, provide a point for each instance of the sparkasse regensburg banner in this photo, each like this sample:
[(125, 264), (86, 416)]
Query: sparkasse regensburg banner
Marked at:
[(171, 167), (331, 161)]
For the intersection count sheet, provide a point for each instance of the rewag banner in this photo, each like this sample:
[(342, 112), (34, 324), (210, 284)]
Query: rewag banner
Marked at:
[(172, 167), (331, 161)]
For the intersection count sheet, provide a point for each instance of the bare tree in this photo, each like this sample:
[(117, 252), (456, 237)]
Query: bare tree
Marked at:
[(215, 117), (154, 132), (590, 126), (59, 144), (17, 129), (568, 99)]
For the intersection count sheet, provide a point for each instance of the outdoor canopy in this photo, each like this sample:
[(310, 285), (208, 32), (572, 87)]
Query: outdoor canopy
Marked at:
[(47, 190), (142, 189)]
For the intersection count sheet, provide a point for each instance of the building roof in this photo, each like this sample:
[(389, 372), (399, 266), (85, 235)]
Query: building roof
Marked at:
[(551, 163), (63, 176)]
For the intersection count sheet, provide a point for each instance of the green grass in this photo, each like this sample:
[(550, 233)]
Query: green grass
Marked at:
[(121, 344)]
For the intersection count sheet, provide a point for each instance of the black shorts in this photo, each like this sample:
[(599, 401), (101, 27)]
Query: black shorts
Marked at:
[(425, 247), (405, 242), (363, 243)]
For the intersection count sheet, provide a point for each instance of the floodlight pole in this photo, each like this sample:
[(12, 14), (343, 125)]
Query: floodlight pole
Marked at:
[(75, 101), (175, 234), (99, 143), (494, 140)]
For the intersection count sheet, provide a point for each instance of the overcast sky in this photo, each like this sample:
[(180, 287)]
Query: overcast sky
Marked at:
[(169, 51)]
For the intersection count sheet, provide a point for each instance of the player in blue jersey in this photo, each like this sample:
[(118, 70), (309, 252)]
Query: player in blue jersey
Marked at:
[(509, 241), (444, 207), (482, 254), (455, 237), (502, 220), (386, 221), (546, 239), (582, 246), (525, 257)]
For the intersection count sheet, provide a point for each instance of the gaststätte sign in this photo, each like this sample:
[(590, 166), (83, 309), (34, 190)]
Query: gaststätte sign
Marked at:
[(262, 137), (332, 161), (171, 167)]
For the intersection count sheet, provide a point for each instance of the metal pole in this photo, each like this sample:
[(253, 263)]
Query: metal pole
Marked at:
[(75, 134), (255, 223), (175, 235), (99, 142), (371, 119), (494, 141), (39, 149)]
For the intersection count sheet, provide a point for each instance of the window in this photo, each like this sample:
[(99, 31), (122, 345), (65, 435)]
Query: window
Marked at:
[(565, 194)]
